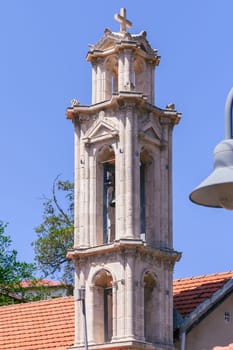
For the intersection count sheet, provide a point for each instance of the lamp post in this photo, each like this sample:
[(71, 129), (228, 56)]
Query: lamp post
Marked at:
[(216, 190)]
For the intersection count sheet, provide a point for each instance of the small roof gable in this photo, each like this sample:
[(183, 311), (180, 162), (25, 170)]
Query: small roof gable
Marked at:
[(111, 39), (191, 292), (40, 325)]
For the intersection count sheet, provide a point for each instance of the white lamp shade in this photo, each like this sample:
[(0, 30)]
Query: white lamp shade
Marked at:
[(217, 189)]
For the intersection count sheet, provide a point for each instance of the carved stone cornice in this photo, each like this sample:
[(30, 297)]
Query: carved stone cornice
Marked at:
[(129, 106), (117, 100), (126, 345), (126, 247)]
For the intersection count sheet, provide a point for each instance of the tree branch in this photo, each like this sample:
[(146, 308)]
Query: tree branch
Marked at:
[(57, 204)]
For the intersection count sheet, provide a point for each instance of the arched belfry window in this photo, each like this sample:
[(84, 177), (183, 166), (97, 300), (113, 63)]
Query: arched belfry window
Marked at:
[(146, 192), (103, 306), (150, 306), (111, 76), (106, 195), (109, 201)]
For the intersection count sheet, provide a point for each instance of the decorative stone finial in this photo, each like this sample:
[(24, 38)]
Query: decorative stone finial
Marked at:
[(171, 106), (75, 102), (121, 18)]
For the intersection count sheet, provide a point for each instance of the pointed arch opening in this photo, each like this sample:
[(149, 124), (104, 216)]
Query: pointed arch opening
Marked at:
[(105, 195), (103, 306)]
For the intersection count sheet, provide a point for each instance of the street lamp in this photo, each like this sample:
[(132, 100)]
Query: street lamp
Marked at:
[(217, 189)]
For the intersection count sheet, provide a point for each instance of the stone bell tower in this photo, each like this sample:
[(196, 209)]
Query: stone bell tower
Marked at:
[(123, 251)]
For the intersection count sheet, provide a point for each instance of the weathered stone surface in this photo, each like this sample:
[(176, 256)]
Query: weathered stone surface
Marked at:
[(124, 255)]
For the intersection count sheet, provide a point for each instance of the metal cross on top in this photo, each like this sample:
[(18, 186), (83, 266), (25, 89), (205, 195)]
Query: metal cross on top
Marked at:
[(121, 18)]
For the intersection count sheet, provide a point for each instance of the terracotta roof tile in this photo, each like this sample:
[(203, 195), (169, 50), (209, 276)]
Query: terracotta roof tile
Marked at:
[(41, 325), (190, 292), (42, 282), (49, 324)]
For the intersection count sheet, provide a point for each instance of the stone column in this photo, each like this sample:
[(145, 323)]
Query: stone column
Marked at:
[(164, 199), (78, 319), (120, 176), (86, 238), (81, 198), (121, 71), (156, 198), (159, 315), (136, 178), (138, 301), (146, 85), (129, 172), (152, 82), (79, 282), (92, 201), (141, 310), (84, 199), (107, 84), (121, 299), (169, 301), (114, 310), (94, 81), (170, 192), (129, 297), (76, 182), (90, 314), (99, 82), (128, 71), (153, 91)]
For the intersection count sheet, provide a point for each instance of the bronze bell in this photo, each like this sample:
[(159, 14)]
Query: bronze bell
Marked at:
[(113, 200)]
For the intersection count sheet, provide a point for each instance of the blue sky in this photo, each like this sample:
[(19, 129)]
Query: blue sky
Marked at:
[(43, 67)]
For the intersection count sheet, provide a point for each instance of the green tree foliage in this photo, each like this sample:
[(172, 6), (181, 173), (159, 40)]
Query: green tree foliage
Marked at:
[(55, 233), (12, 271)]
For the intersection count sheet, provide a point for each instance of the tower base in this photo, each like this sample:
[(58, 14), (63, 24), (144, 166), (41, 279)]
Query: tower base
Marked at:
[(125, 345)]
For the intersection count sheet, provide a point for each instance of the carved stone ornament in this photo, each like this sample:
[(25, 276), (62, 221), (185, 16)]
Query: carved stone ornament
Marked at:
[(74, 102), (84, 117), (102, 130), (101, 115)]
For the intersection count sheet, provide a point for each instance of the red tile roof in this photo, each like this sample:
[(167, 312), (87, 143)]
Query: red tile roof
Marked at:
[(41, 325), (41, 283), (190, 292), (49, 324)]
